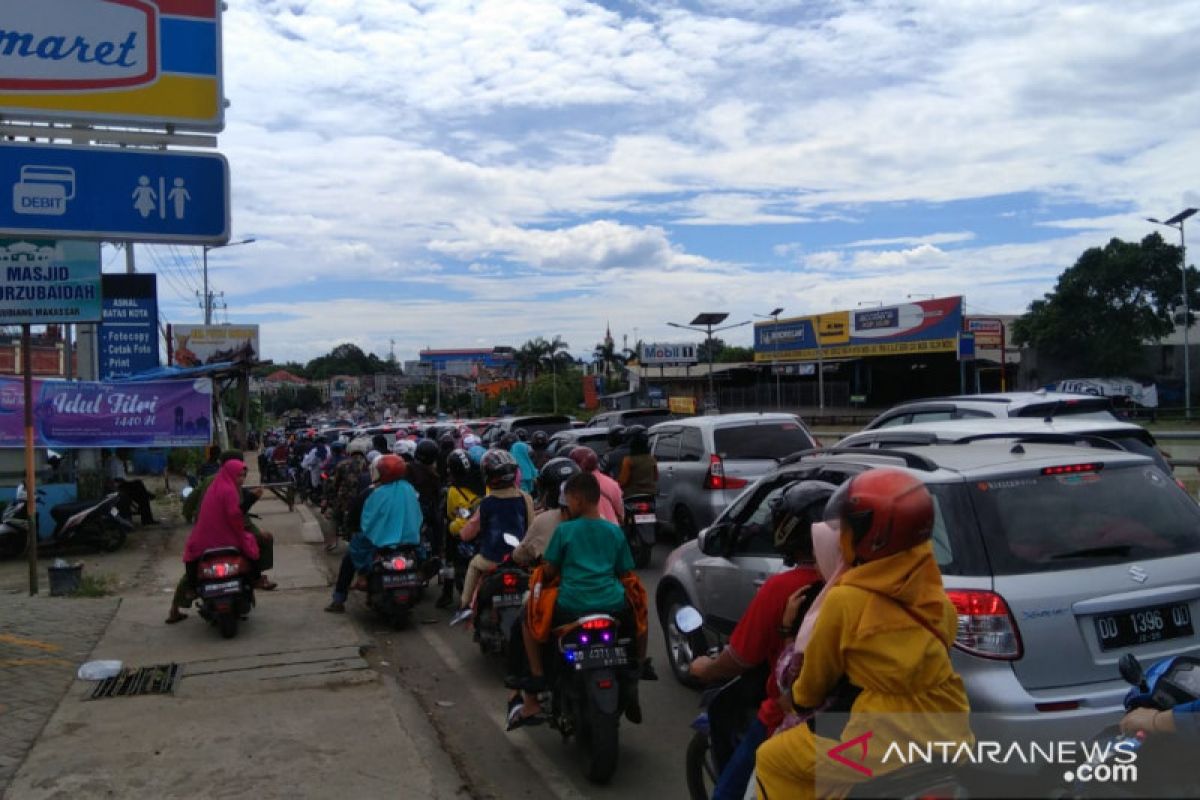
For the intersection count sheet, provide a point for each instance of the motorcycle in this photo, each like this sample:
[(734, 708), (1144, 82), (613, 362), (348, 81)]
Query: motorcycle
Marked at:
[(395, 583), (498, 606), (731, 707), (1160, 761), (224, 589), (95, 523), (641, 527)]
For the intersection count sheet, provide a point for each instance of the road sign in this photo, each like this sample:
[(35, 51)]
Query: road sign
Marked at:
[(129, 333), (147, 62), (988, 332), (966, 346), (106, 193), (44, 282)]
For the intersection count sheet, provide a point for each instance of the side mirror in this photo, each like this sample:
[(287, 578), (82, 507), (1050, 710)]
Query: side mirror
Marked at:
[(1131, 671), (708, 541), (688, 620), (511, 540), (186, 492)]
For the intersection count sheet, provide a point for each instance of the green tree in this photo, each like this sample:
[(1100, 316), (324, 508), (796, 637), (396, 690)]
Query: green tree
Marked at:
[(718, 346), (542, 392), (608, 359), (347, 359), (1105, 307), (733, 355)]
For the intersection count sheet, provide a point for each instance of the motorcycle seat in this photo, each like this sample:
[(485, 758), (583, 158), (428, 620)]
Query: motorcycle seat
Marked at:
[(64, 511)]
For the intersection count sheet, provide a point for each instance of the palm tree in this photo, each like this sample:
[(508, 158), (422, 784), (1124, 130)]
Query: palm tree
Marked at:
[(555, 353), (526, 359), (607, 358), (634, 353)]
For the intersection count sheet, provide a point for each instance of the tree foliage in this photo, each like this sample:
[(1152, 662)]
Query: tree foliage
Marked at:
[(305, 398), (1105, 307), (347, 359)]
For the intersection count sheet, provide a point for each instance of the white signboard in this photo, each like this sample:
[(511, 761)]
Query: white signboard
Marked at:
[(667, 354), (1144, 395), (195, 345)]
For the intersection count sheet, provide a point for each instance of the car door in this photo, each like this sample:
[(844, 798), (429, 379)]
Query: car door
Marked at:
[(664, 446)]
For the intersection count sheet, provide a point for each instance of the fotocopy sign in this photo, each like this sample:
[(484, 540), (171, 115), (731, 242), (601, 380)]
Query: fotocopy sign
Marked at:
[(195, 345), (102, 61), (667, 354), (44, 281), (129, 333)]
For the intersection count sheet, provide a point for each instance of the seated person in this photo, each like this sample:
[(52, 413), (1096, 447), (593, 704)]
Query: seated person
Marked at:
[(134, 494), (390, 517), (221, 524), (590, 557)]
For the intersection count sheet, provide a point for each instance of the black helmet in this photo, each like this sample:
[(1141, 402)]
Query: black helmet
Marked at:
[(427, 451), (338, 445), (539, 440), (499, 468), (616, 436), (446, 442), (793, 512), (459, 464), (507, 441), (522, 435), (551, 478), (638, 436)]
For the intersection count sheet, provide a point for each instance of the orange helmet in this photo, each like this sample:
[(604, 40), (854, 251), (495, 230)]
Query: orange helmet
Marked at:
[(391, 468), (882, 512)]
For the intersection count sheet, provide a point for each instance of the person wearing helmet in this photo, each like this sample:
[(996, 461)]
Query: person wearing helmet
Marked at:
[(612, 500), (506, 509), (550, 481), (759, 637), (462, 499), (349, 479), (638, 473), (446, 443), (507, 441), (886, 628), (423, 475), (618, 448), (391, 516), (540, 444), (405, 448), (521, 434)]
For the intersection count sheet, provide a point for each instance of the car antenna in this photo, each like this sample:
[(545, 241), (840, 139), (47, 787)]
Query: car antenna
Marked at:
[(1017, 450), (1054, 409)]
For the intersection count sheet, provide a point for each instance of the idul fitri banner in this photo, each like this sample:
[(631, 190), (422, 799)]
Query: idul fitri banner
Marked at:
[(84, 414)]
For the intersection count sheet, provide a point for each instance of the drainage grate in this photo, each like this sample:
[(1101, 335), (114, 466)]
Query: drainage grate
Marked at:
[(158, 679)]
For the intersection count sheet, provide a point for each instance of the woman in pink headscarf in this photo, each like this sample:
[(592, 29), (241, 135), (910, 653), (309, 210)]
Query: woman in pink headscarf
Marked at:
[(220, 524)]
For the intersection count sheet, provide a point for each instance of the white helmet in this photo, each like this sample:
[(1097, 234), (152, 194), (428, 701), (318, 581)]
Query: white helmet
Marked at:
[(404, 447), (471, 440)]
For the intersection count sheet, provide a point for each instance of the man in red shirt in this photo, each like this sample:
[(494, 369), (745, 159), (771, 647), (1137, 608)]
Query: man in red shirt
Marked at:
[(761, 633)]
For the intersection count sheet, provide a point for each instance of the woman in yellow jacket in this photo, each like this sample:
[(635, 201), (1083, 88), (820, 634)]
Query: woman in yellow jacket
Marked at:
[(462, 499), (886, 627)]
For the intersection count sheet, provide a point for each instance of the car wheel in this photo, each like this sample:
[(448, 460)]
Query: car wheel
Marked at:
[(685, 525), (679, 650)]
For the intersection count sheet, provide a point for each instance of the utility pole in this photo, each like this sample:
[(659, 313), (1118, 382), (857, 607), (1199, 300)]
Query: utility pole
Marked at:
[(1176, 222), (130, 267)]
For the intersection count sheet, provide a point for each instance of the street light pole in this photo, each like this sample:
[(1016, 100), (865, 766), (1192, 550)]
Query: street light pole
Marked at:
[(1176, 222), (208, 297), (708, 320)]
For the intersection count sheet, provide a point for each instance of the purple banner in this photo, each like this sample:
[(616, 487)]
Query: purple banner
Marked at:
[(83, 414)]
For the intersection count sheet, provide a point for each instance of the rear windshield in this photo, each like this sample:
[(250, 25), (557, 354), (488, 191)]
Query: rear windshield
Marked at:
[(1100, 408), (648, 417), (1045, 523), (774, 440), (548, 424)]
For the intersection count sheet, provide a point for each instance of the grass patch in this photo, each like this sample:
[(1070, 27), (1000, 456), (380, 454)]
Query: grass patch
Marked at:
[(99, 585)]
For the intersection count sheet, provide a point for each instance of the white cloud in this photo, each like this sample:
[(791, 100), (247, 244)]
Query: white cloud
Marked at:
[(932, 238)]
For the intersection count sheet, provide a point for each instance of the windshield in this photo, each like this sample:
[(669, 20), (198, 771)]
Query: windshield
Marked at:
[(1041, 523), (773, 440)]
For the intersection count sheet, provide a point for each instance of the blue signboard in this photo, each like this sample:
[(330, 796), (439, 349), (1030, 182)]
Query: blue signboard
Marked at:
[(966, 346), (129, 333), (44, 281), (107, 193)]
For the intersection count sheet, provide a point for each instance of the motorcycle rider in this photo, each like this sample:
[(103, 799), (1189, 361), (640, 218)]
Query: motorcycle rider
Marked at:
[(551, 479), (618, 448), (347, 483), (405, 448), (506, 509), (462, 499), (540, 442), (446, 445), (759, 636), (313, 461), (391, 516), (527, 472), (886, 628), (612, 501), (638, 473)]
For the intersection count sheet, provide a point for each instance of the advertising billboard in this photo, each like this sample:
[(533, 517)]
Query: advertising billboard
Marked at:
[(129, 333), (667, 354), (87, 414), (148, 62), (196, 345), (46, 281), (989, 333), (923, 326)]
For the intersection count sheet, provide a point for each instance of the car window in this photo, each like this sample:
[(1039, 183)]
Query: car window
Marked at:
[(1057, 522), (666, 446), (891, 422), (973, 413), (1140, 442), (932, 416), (691, 445), (774, 440)]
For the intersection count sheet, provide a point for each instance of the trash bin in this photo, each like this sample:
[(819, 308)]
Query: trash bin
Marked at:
[(65, 580)]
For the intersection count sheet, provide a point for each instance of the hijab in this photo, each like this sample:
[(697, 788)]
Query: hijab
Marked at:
[(522, 453), (220, 523), (827, 549)]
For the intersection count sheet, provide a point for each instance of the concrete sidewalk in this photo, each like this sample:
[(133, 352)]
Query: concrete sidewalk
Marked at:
[(288, 708)]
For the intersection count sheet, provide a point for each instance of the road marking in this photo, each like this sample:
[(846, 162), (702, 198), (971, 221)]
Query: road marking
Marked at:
[(29, 662), (559, 783), (32, 644)]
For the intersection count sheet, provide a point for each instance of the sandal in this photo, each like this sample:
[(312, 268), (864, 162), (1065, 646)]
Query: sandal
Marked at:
[(179, 616), (515, 720)]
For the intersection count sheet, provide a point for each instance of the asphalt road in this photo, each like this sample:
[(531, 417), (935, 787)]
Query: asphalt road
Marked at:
[(462, 693)]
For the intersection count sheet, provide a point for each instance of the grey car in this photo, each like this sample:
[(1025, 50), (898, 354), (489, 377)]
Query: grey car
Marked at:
[(562, 442), (1040, 403), (705, 462), (1058, 558)]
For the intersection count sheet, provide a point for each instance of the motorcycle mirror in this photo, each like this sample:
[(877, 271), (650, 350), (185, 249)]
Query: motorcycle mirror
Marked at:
[(1131, 671), (186, 492), (688, 620), (511, 540)]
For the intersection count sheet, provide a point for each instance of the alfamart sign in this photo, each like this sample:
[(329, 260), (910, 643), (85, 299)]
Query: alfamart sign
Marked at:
[(131, 61)]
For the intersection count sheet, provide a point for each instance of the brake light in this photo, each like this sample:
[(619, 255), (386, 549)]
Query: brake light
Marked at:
[(220, 569), (715, 478), (1061, 705), (605, 684), (1071, 469), (986, 627), (595, 624), (510, 580), (399, 563), (641, 508)]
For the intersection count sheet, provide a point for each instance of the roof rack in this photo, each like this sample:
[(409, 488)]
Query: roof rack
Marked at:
[(911, 460)]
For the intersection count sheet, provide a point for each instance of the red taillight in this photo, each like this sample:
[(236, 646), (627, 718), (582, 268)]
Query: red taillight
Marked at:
[(596, 624), (1062, 705), (716, 478), (510, 579), (605, 684), (1071, 469), (642, 508), (986, 627), (398, 563), (220, 569)]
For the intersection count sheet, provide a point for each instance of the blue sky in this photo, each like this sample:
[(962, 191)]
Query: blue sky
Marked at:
[(457, 174)]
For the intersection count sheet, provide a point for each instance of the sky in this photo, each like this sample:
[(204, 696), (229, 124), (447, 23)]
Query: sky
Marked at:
[(470, 174)]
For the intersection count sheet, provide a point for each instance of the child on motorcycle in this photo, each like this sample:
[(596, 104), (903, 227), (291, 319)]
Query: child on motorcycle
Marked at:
[(886, 628)]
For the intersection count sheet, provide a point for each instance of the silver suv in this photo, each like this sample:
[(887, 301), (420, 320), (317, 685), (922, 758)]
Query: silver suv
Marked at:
[(705, 462), (999, 404), (1058, 558)]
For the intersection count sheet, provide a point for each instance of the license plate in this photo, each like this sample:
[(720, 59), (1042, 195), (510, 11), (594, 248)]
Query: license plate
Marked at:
[(391, 580), (592, 657), (1143, 625), (215, 589), (644, 519), (507, 600)]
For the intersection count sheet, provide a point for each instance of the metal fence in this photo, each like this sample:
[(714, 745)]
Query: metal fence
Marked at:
[(766, 396)]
